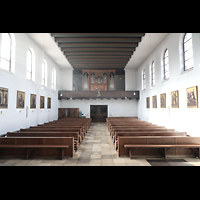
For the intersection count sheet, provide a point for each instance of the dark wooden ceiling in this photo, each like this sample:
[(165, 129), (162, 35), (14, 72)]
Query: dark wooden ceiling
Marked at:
[(98, 50)]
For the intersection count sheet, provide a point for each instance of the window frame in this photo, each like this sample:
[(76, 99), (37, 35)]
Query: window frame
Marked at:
[(152, 73), (53, 86), (143, 79), (184, 52), (44, 73), (10, 52), (164, 64), (31, 66)]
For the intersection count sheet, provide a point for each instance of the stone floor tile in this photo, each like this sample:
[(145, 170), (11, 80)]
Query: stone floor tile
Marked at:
[(107, 164), (95, 162), (95, 156), (22, 163), (44, 164)]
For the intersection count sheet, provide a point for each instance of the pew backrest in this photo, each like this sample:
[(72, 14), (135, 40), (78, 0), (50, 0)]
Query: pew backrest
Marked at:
[(69, 152), (122, 151)]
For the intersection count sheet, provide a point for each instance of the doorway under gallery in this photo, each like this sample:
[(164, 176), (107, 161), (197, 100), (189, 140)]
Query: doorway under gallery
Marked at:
[(98, 113)]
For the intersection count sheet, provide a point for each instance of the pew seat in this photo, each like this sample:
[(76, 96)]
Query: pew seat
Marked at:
[(29, 148), (37, 146), (149, 146), (164, 147)]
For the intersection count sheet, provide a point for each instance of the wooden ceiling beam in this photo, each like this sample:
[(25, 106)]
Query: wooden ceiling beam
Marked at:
[(99, 67), (95, 65), (98, 57), (99, 64), (97, 34), (97, 40), (98, 61), (97, 49), (98, 45), (92, 53)]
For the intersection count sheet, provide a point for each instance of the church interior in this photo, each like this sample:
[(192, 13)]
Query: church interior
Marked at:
[(99, 99)]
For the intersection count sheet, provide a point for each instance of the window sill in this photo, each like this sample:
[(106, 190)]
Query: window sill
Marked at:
[(44, 87), (187, 71), (53, 90), (164, 80), (6, 71), (30, 80)]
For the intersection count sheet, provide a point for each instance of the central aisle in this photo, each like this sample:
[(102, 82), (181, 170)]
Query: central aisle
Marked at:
[(97, 149)]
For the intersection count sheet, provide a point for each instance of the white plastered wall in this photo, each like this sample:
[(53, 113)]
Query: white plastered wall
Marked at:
[(12, 119), (182, 118)]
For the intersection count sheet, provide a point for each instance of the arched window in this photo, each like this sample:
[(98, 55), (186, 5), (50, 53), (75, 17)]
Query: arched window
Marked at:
[(44, 73), (92, 77), (85, 86), (143, 80), (29, 65), (112, 81), (6, 51), (105, 77), (187, 51), (54, 79), (166, 64), (152, 74)]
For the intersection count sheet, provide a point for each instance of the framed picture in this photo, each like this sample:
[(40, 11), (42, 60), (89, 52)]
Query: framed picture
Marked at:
[(49, 103), (148, 102), (20, 99), (33, 101), (3, 98), (192, 97), (154, 101), (42, 102), (175, 99), (163, 100)]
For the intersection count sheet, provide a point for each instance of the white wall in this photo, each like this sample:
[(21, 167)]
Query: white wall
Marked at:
[(182, 118), (116, 108), (66, 79), (12, 119), (130, 79)]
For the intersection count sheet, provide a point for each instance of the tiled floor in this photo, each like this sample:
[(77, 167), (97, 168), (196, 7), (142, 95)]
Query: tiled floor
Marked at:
[(97, 149)]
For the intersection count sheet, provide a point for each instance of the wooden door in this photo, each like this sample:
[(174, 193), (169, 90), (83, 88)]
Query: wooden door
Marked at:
[(98, 113)]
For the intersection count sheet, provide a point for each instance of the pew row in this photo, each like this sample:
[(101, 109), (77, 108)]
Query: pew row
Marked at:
[(149, 133), (140, 129), (156, 146), (57, 129), (75, 135), (37, 146)]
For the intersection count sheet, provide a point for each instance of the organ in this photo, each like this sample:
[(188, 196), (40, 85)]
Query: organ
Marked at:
[(98, 80)]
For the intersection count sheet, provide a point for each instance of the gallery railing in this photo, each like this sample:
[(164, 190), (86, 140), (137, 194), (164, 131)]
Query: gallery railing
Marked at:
[(63, 94)]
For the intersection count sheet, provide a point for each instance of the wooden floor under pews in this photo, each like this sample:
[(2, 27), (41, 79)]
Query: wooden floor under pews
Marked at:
[(97, 149)]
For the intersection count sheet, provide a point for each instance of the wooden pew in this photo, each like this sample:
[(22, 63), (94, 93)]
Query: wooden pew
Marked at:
[(37, 146), (75, 135), (141, 129), (75, 121), (149, 133), (151, 146), (125, 120), (57, 129), (134, 126), (63, 126), (68, 123), (71, 127)]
